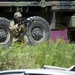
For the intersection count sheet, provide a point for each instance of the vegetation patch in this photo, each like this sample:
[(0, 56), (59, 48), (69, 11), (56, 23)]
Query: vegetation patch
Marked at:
[(20, 56)]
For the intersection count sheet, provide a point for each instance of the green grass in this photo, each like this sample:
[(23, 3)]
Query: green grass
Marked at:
[(20, 56)]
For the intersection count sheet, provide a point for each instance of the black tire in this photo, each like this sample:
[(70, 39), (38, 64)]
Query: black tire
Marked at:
[(5, 33), (38, 30)]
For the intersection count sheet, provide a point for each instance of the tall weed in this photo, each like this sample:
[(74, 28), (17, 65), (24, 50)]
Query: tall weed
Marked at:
[(24, 56)]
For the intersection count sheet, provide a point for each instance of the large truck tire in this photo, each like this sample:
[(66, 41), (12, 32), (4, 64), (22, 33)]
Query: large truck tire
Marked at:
[(5, 33), (38, 30)]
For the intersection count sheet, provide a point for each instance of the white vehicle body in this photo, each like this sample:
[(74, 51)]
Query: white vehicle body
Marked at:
[(37, 72)]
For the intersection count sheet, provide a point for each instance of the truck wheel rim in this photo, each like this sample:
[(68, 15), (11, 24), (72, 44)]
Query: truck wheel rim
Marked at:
[(4, 35), (37, 33)]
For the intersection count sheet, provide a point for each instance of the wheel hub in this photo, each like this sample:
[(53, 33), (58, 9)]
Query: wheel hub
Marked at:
[(37, 34), (3, 35)]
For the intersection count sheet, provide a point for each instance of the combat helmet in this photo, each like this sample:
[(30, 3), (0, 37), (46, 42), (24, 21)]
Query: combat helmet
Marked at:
[(17, 15)]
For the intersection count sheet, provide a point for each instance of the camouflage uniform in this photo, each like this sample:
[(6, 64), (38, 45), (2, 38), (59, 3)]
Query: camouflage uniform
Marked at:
[(18, 28)]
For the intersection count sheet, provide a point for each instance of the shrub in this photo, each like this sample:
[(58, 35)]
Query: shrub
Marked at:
[(21, 56)]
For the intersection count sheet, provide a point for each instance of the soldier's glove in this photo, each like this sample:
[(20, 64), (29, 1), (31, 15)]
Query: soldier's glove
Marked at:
[(27, 22)]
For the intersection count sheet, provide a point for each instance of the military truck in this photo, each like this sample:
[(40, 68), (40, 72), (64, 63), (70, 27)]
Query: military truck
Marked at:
[(44, 15)]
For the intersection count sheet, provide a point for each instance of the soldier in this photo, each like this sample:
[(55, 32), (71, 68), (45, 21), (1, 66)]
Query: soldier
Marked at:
[(19, 28), (22, 22)]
